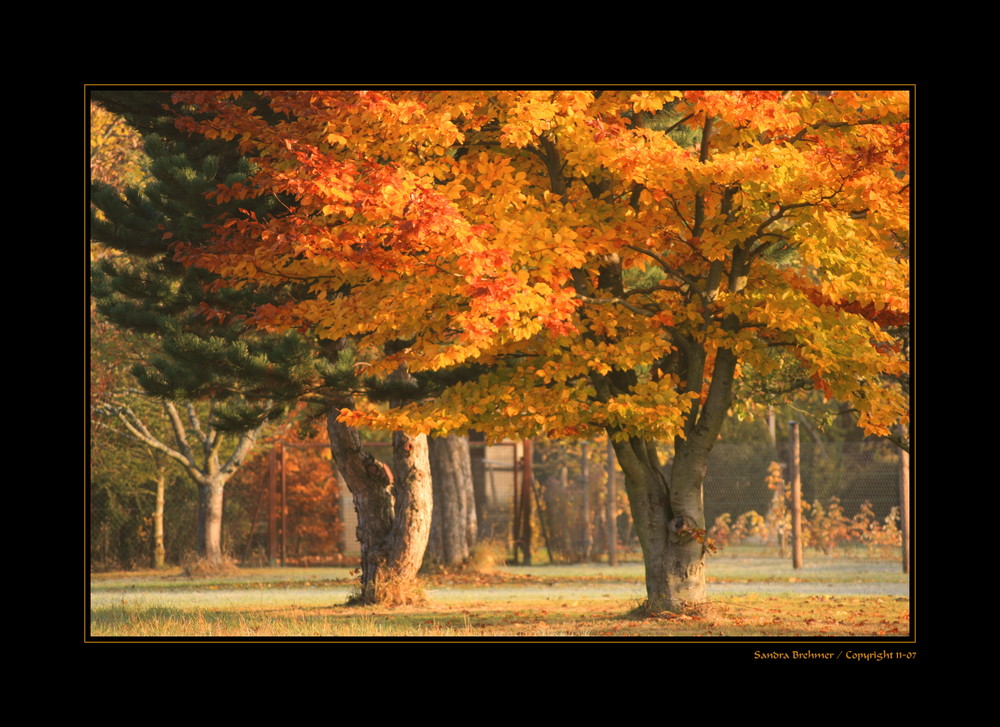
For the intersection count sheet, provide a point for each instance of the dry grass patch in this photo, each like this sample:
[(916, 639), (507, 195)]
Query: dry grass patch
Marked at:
[(786, 616), (506, 603), (202, 568)]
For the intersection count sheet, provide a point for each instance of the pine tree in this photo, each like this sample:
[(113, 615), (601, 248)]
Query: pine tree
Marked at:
[(198, 364)]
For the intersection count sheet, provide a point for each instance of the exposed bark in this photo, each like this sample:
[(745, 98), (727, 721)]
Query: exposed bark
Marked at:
[(393, 508), (611, 509), (477, 456), (669, 515), (669, 520), (453, 525)]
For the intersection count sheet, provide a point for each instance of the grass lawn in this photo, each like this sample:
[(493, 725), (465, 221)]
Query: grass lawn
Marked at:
[(751, 595)]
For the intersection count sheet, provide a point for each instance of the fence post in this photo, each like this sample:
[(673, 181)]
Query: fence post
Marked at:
[(522, 505), (587, 539), (284, 500), (612, 496), (272, 474), (794, 460), (904, 501)]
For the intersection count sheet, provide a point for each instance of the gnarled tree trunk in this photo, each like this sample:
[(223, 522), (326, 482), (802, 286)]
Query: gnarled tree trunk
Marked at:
[(393, 508), (453, 526), (669, 518)]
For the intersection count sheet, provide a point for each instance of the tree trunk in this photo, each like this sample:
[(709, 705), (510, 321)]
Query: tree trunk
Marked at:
[(209, 537), (159, 550), (485, 514), (669, 520), (393, 509), (670, 516), (210, 474), (453, 525), (686, 548), (557, 517)]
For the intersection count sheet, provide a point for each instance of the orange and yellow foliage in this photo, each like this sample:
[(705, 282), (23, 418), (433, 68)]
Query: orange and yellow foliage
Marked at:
[(552, 237)]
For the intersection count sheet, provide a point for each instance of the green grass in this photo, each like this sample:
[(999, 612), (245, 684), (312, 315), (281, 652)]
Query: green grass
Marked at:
[(752, 595)]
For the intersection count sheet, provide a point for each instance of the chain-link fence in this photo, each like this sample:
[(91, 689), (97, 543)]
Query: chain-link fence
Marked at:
[(852, 472), (122, 522), (287, 505), (850, 495)]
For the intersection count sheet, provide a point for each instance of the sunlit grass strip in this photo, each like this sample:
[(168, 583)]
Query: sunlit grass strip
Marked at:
[(741, 616)]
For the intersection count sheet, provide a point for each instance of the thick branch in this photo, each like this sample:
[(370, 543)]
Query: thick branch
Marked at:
[(244, 446), (195, 420), (618, 301), (832, 125), (699, 200), (553, 165), (180, 433)]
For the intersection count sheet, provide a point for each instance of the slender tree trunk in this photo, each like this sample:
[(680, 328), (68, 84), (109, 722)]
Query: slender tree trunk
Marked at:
[(393, 509), (159, 550), (199, 533), (453, 525), (554, 514), (213, 523)]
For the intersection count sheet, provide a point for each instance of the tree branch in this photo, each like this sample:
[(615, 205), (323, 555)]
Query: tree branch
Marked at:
[(671, 272), (245, 444), (831, 125), (618, 301), (699, 199), (180, 433), (136, 430)]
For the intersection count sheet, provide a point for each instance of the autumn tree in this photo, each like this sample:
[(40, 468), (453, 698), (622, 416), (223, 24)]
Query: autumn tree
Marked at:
[(116, 153), (566, 262)]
